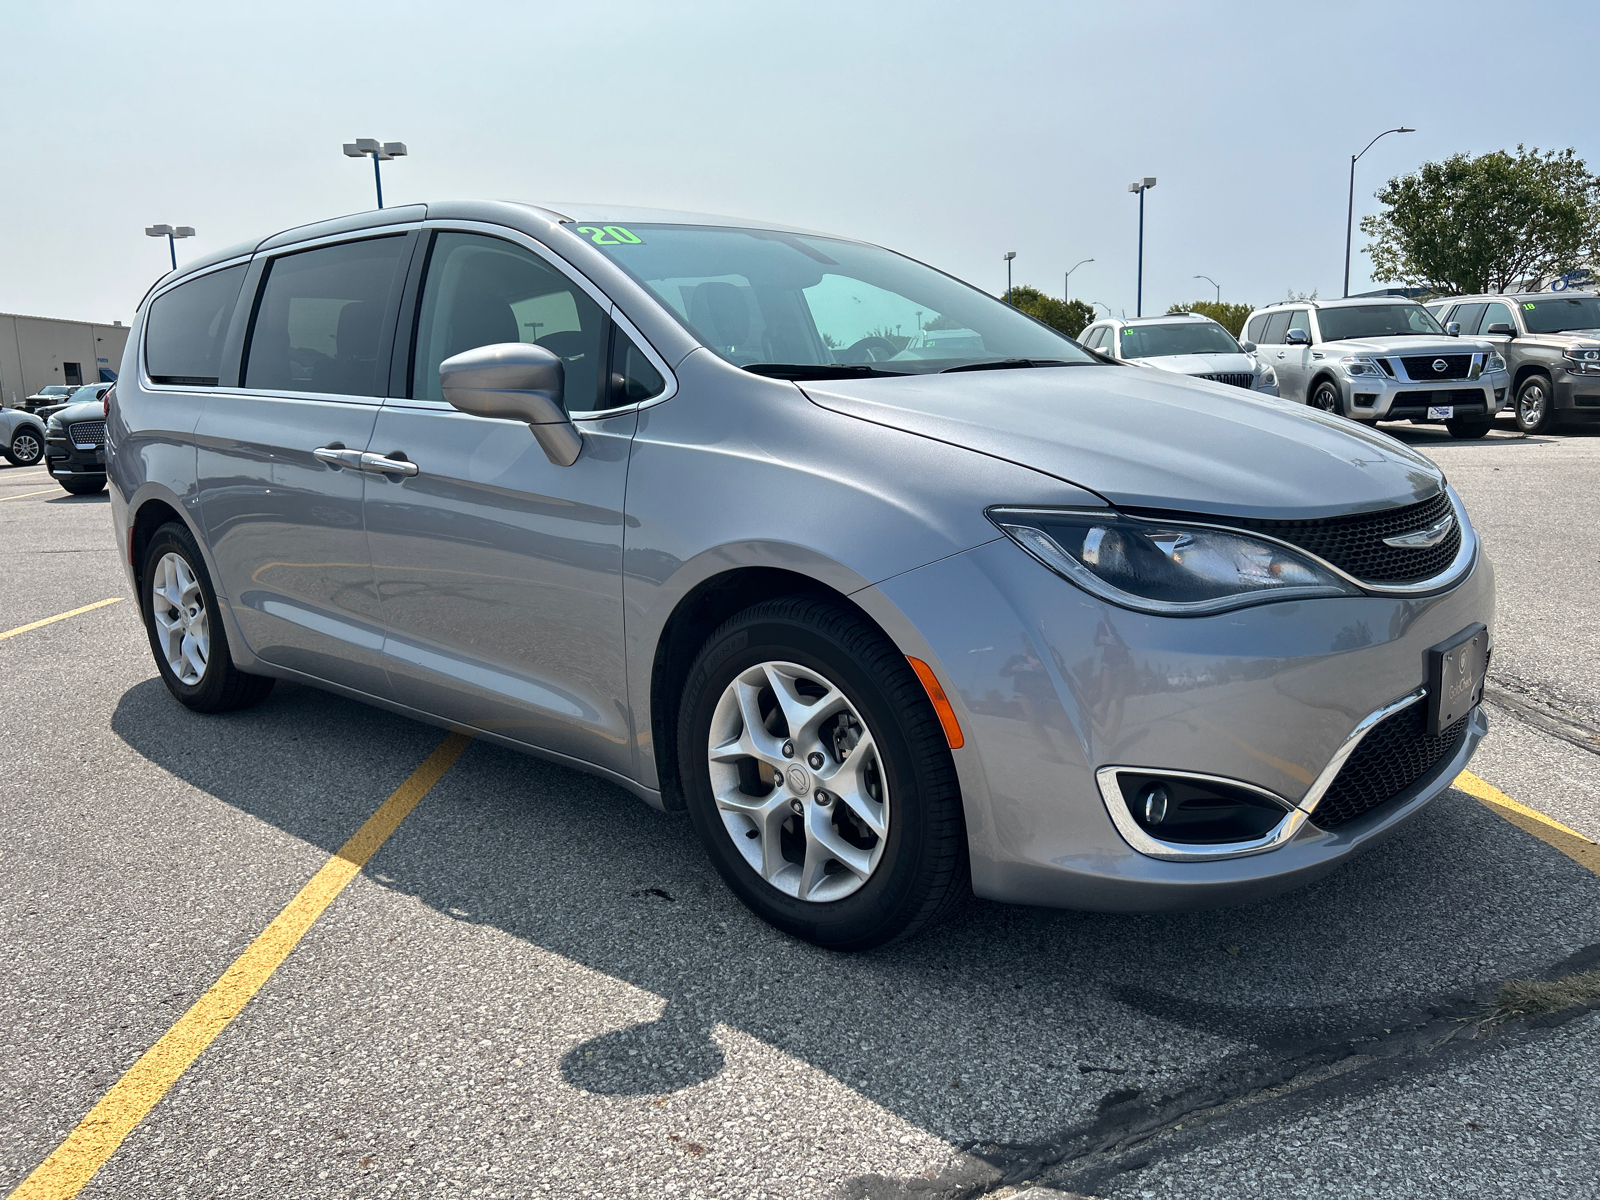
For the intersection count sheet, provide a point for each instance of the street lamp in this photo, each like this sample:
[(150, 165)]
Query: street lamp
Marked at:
[(169, 232), (380, 151), (1214, 284), (1010, 254), (1350, 214), (1066, 288), (1141, 186)]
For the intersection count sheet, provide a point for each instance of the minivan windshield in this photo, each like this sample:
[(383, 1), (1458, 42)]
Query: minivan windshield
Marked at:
[(1188, 337), (803, 306), (1561, 314), (1376, 321)]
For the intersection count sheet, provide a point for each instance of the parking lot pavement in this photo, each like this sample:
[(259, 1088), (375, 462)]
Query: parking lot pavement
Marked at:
[(538, 986)]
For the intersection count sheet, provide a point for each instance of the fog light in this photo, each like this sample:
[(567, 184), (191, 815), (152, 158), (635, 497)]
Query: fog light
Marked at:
[(1153, 804)]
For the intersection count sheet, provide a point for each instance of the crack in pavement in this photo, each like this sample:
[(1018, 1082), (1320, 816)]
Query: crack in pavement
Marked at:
[(1543, 716), (1276, 1078)]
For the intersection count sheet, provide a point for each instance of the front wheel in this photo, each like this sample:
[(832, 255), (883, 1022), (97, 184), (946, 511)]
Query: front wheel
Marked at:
[(26, 448), (818, 776), (1466, 430), (1326, 397), (1535, 412), (186, 634)]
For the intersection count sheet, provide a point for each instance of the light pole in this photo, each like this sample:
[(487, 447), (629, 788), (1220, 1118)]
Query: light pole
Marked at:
[(1010, 254), (1066, 287), (380, 151), (1141, 186), (169, 232), (1214, 284), (1350, 213)]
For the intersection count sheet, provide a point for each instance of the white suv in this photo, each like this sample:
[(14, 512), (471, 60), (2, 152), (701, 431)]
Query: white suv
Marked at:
[(1186, 343), (1380, 359)]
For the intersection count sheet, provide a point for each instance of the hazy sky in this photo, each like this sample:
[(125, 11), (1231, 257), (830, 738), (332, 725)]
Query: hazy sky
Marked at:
[(953, 132)]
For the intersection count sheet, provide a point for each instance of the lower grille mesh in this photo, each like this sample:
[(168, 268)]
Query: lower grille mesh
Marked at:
[(1393, 756)]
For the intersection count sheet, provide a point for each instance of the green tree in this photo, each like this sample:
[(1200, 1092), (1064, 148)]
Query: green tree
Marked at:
[(1230, 316), (1485, 224), (1069, 316)]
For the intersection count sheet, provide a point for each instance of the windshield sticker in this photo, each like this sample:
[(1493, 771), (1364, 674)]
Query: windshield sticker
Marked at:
[(611, 235), (1528, 305)]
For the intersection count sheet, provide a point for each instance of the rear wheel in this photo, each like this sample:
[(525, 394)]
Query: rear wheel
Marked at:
[(819, 778), (1535, 412), (26, 448), (1326, 397), (186, 634), (83, 485), (1466, 430)]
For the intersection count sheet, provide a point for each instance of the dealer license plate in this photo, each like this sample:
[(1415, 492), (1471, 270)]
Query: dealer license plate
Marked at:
[(1442, 412), (1456, 671)]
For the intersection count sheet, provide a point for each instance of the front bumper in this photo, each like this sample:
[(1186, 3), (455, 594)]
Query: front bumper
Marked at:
[(1052, 686), (1577, 396), (1380, 398), (66, 459)]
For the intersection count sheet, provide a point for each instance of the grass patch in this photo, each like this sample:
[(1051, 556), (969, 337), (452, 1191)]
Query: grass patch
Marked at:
[(1534, 997)]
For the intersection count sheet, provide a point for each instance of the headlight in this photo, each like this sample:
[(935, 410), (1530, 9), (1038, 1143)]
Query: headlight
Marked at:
[(1582, 360), (1493, 362), (1170, 569), (1361, 366), (54, 422)]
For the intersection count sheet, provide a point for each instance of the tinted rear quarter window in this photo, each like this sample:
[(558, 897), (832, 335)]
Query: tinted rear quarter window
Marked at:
[(1277, 325), (1252, 332), (319, 323), (186, 328)]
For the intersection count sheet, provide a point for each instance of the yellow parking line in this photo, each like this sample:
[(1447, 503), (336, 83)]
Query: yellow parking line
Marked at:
[(25, 495), (1547, 829), (58, 617), (86, 1149)]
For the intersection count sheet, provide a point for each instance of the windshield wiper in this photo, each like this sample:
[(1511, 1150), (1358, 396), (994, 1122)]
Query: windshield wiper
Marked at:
[(818, 370), (1013, 364)]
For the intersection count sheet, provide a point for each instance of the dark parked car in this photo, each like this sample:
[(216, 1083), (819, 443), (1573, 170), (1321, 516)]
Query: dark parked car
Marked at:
[(75, 446), (55, 393), (21, 437), (89, 391)]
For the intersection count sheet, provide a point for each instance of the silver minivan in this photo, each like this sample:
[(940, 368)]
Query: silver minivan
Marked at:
[(899, 593)]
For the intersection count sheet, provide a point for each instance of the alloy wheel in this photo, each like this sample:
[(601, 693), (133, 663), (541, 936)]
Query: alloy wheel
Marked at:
[(183, 628), (798, 781), (1326, 398), (1531, 402), (25, 449)]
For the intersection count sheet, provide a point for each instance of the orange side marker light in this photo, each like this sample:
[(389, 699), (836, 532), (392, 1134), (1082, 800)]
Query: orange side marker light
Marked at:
[(941, 703)]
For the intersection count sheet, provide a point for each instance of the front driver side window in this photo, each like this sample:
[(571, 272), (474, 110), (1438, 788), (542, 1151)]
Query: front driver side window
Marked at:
[(481, 291), (1495, 314), (1301, 320)]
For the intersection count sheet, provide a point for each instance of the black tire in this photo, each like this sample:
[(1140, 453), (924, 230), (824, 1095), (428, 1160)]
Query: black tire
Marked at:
[(26, 448), (221, 687), (922, 873), (1326, 397), (83, 485), (1467, 429), (1535, 407)]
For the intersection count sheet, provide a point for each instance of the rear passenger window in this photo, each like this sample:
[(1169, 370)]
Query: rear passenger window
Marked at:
[(319, 322), (184, 333), (481, 291), (1277, 326), (1466, 315)]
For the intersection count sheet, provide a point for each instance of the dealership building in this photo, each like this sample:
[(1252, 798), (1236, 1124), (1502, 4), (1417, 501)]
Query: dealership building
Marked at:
[(35, 351)]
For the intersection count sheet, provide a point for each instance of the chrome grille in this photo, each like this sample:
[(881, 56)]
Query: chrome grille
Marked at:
[(1232, 378), (1420, 366), (87, 434)]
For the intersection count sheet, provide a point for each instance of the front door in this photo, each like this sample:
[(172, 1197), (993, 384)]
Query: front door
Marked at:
[(500, 572), (1498, 315), (285, 521), (1294, 362)]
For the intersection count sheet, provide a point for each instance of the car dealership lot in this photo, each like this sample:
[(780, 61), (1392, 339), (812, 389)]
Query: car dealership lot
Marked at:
[(539, 986)]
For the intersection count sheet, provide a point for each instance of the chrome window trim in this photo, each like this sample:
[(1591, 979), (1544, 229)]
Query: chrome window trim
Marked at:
[(548, 255), (1296, 816), (1458, 568), (1294, 819)]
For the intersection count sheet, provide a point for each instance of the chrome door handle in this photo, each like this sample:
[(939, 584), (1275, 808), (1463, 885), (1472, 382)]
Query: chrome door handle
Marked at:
[(382, 465), (338, 456)]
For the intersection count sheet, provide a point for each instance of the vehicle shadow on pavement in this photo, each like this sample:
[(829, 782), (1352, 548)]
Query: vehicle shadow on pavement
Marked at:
[(1003, 1026), (69, 498)]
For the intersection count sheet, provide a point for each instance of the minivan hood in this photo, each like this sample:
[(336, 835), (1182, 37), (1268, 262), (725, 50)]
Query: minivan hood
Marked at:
[(1201, 364), (1150, 439)]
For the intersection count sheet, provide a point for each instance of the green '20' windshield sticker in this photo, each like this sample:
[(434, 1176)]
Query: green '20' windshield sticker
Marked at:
[(611, 235)]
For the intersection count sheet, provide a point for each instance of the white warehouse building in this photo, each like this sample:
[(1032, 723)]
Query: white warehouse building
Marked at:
[(35, 351)]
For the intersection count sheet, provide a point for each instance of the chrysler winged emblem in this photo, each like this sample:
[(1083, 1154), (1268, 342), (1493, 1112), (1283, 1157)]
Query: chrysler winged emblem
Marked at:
[(1421, 539)]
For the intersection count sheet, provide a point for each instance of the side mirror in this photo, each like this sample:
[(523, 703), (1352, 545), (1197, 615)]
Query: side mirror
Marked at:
[(1247, 346), (1502, 328), (1453, 329), (1297, 337), (517, 381)]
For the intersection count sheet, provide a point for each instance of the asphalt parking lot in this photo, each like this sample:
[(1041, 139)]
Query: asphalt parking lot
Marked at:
[(538, 986)]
